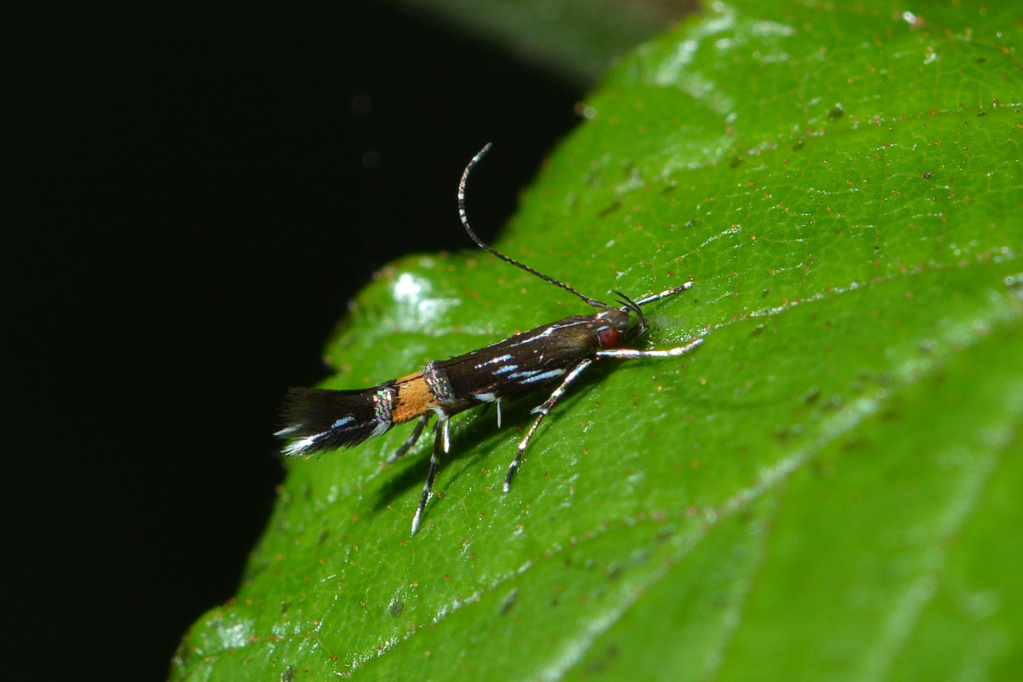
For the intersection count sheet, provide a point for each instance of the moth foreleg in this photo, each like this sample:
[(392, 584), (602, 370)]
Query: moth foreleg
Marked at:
[(632, 353), (542, 411)]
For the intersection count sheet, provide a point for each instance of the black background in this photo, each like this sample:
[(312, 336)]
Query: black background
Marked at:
[(191, 194)]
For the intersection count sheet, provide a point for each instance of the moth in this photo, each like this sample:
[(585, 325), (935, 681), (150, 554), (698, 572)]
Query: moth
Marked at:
[(550, 356)]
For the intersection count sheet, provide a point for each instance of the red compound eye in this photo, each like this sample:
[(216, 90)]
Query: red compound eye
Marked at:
[(609, 337)]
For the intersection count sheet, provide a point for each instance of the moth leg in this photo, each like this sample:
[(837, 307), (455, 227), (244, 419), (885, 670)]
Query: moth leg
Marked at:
[(664, 294), (407, 445), (543, 410), (486, 408), (632, 353), (442, 440)]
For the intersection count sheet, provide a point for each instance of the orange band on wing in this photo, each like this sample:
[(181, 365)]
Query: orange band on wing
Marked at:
[(414, 398)]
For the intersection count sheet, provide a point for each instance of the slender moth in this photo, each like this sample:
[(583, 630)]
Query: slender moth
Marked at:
[(555, 354)]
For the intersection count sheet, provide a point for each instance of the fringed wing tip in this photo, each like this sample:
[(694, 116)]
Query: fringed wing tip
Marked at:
[(321, 420)]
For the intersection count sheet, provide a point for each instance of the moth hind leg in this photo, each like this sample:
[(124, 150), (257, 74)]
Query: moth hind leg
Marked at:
[(411, 440)]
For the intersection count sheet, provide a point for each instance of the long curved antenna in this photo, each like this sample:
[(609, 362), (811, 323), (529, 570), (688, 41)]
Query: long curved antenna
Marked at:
[(479, 242)]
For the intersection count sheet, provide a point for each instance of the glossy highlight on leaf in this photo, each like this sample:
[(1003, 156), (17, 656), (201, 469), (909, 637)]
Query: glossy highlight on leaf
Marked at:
[(828, 488)]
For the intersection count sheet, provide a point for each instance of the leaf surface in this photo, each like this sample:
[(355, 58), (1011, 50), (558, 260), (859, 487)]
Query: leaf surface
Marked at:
[(828, 487)]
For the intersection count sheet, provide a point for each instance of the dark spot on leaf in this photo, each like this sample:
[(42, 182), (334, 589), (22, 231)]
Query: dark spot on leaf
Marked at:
[(288, 675), (927, 175), (285, 605), (819, 469), (890, 412), (613, 570), (836, 112), (799, 145), (833, 404), (609, 209), (598, 663), (787, 433), (396, 607), (854, 443), (736, 162)]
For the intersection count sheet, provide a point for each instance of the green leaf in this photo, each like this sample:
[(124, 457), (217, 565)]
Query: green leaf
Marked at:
[(827, 488)]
